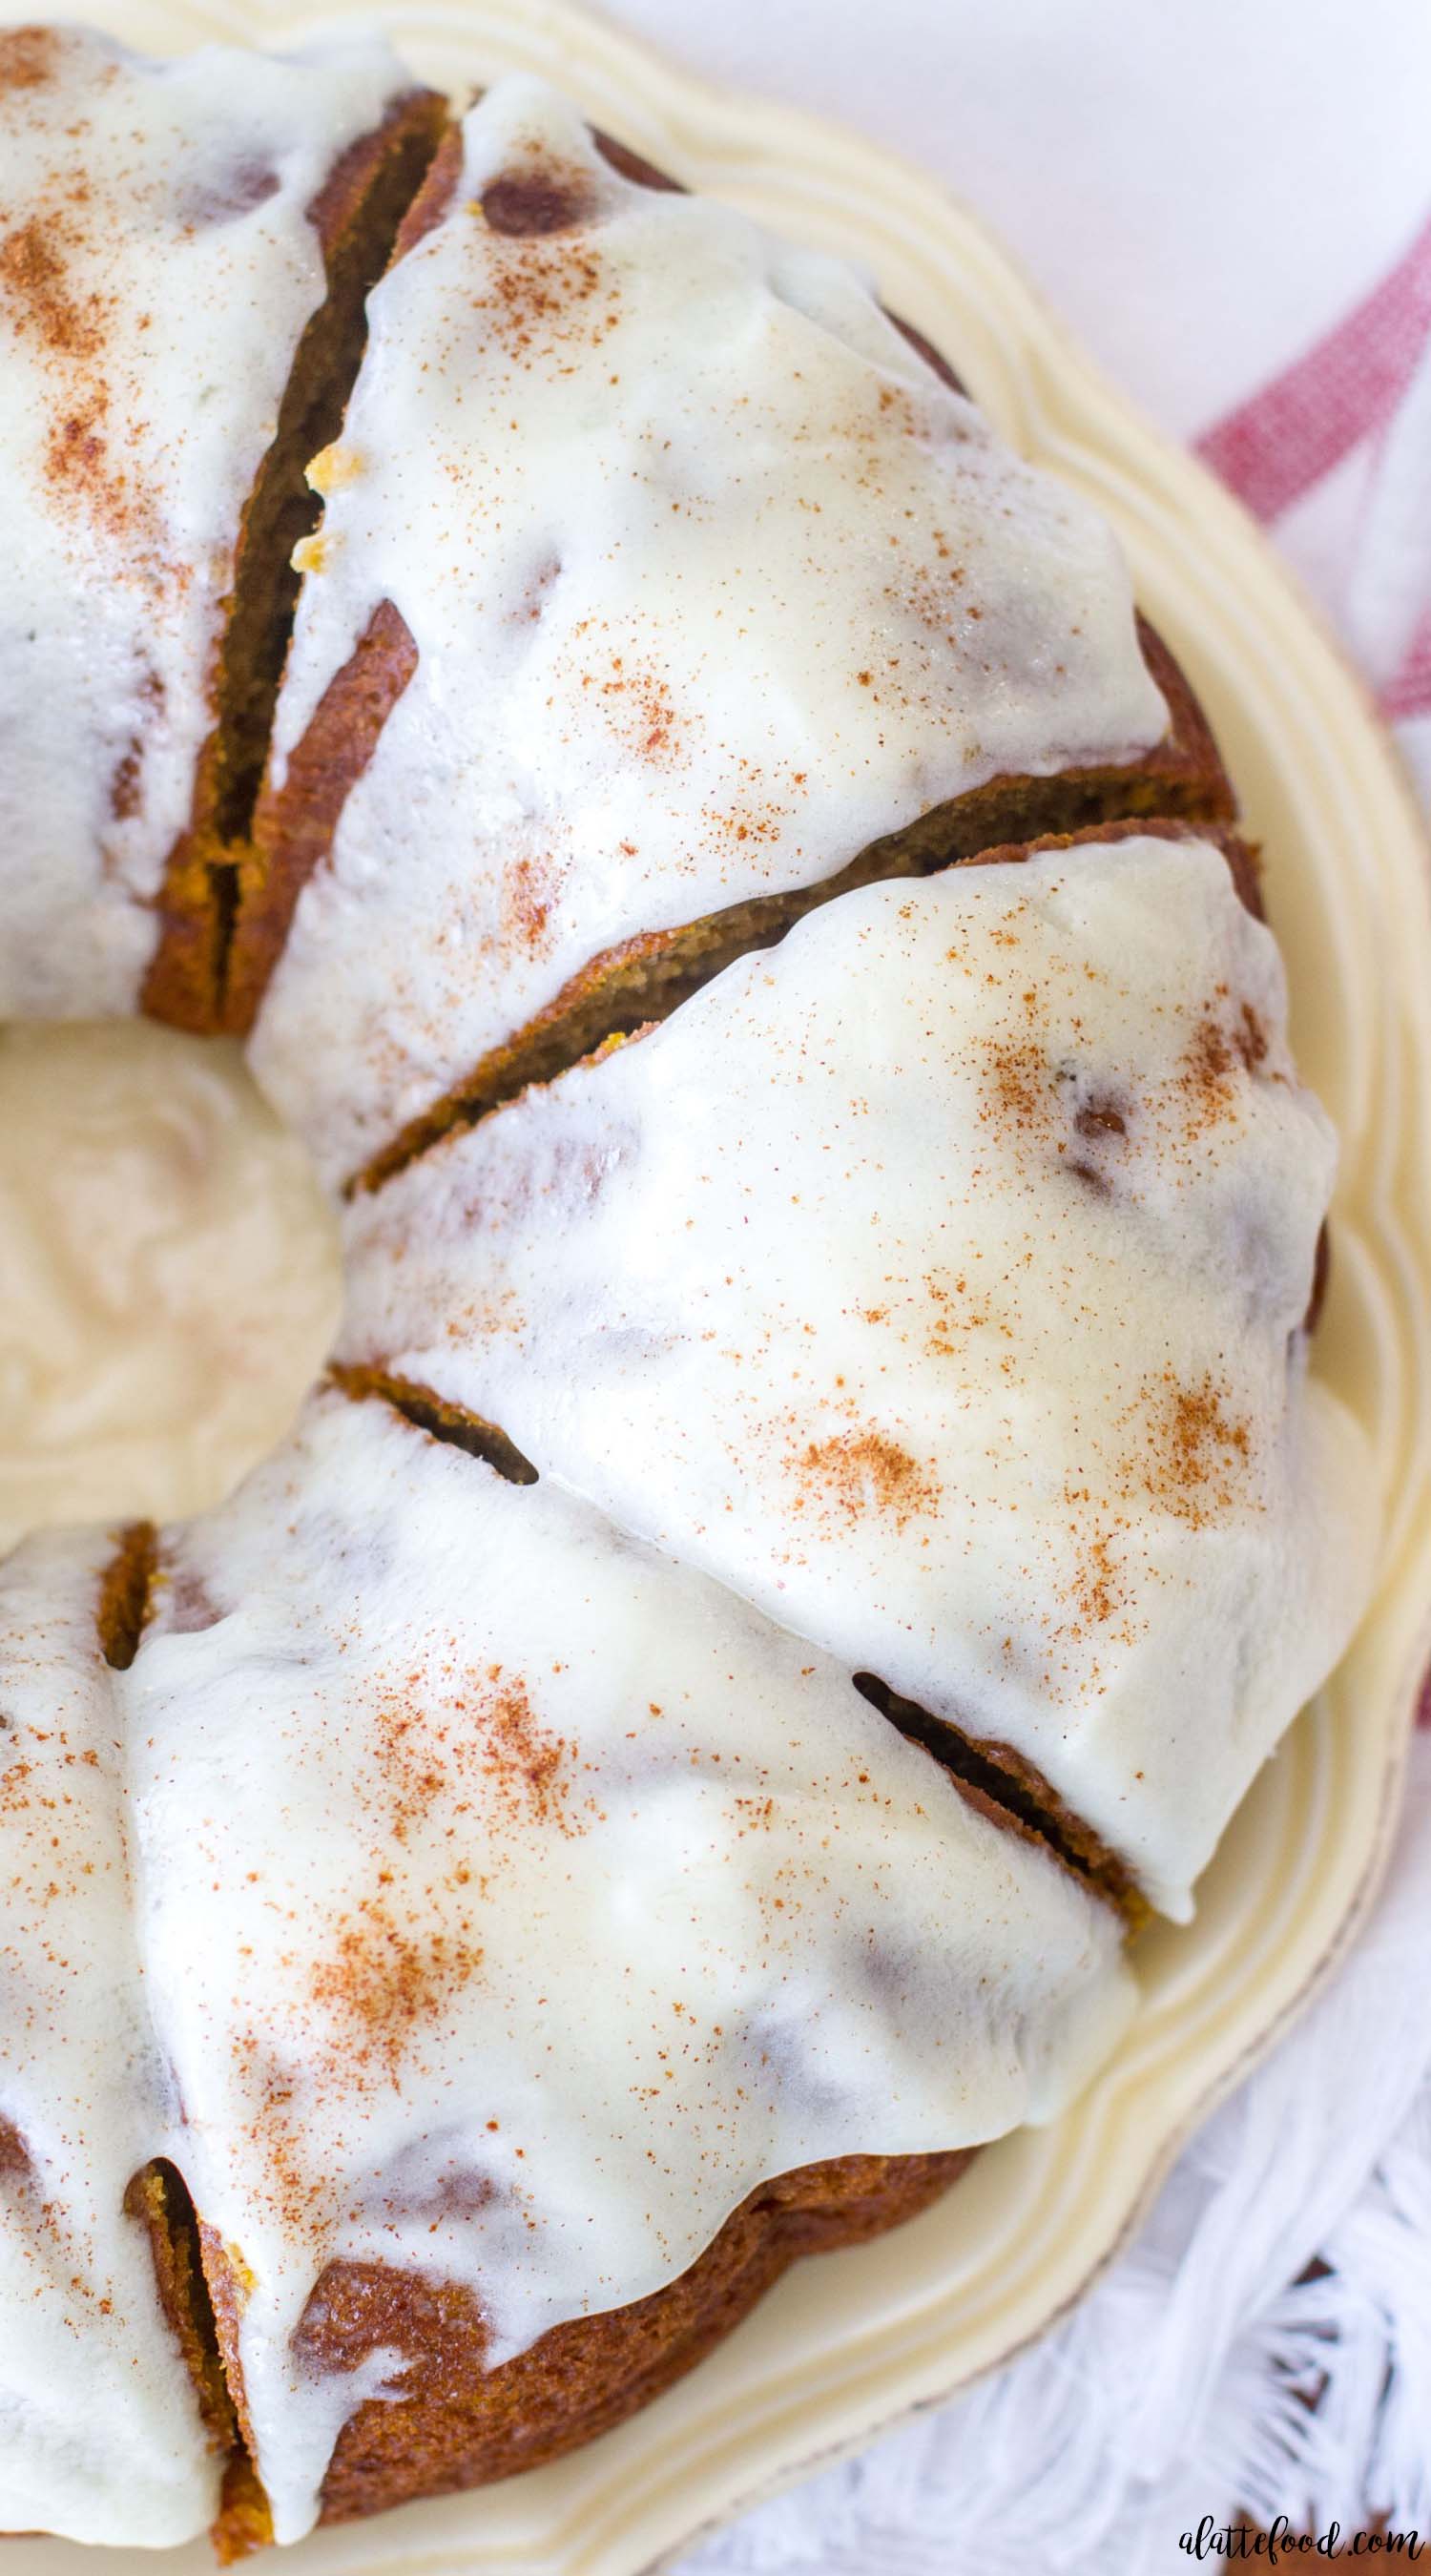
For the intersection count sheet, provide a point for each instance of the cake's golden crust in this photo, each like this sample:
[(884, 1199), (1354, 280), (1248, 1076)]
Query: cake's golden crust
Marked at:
[(355, 216), (434, 197), (244, 2522), (158, 2199), (1183, 774), (294, 825), (1242, 855), (454, 2424), (439, 1419), (1015, 1795), (124, 1595), (630, 165), (934, 359)]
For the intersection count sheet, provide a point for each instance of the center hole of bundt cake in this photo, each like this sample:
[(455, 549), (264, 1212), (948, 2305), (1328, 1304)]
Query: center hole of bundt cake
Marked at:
[(169, 1275)]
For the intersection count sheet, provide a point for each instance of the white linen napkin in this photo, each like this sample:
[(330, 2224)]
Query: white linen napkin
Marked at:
[(1231, 204)]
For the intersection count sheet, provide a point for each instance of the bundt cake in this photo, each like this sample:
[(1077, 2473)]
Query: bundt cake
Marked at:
[(819, 1507)]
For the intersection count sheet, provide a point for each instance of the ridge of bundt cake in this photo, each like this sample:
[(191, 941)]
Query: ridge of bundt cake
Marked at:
[(578, 1248), (645, 981), (441, 1421), (125, 1595), (102, 2360), (355, 215), (159, 2198), (295, 822)]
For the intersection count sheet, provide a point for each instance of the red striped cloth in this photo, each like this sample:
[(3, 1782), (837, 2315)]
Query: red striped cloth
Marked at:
[(1353, 390), (1356, 388)]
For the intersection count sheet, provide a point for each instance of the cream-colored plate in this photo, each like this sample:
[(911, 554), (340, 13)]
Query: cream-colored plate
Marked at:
[(849, 2343)]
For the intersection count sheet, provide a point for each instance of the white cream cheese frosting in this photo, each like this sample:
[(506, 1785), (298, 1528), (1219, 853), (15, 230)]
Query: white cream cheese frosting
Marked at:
[(157, 267), (513, 1901), (936, 1281), (100, 2438), (712, 584)]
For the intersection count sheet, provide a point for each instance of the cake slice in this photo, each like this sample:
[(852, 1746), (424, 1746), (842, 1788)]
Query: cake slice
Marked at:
[(184, 250), (102, 2436), (663, 587), (938, 1281), (524, 1917)]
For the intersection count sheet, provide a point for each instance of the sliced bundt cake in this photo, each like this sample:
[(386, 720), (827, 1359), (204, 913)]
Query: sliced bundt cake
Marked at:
[(937, 1280)]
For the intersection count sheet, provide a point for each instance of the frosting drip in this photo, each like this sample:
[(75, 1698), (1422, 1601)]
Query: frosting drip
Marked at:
[(936, 1280), (712, 584), (100, 2437)]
